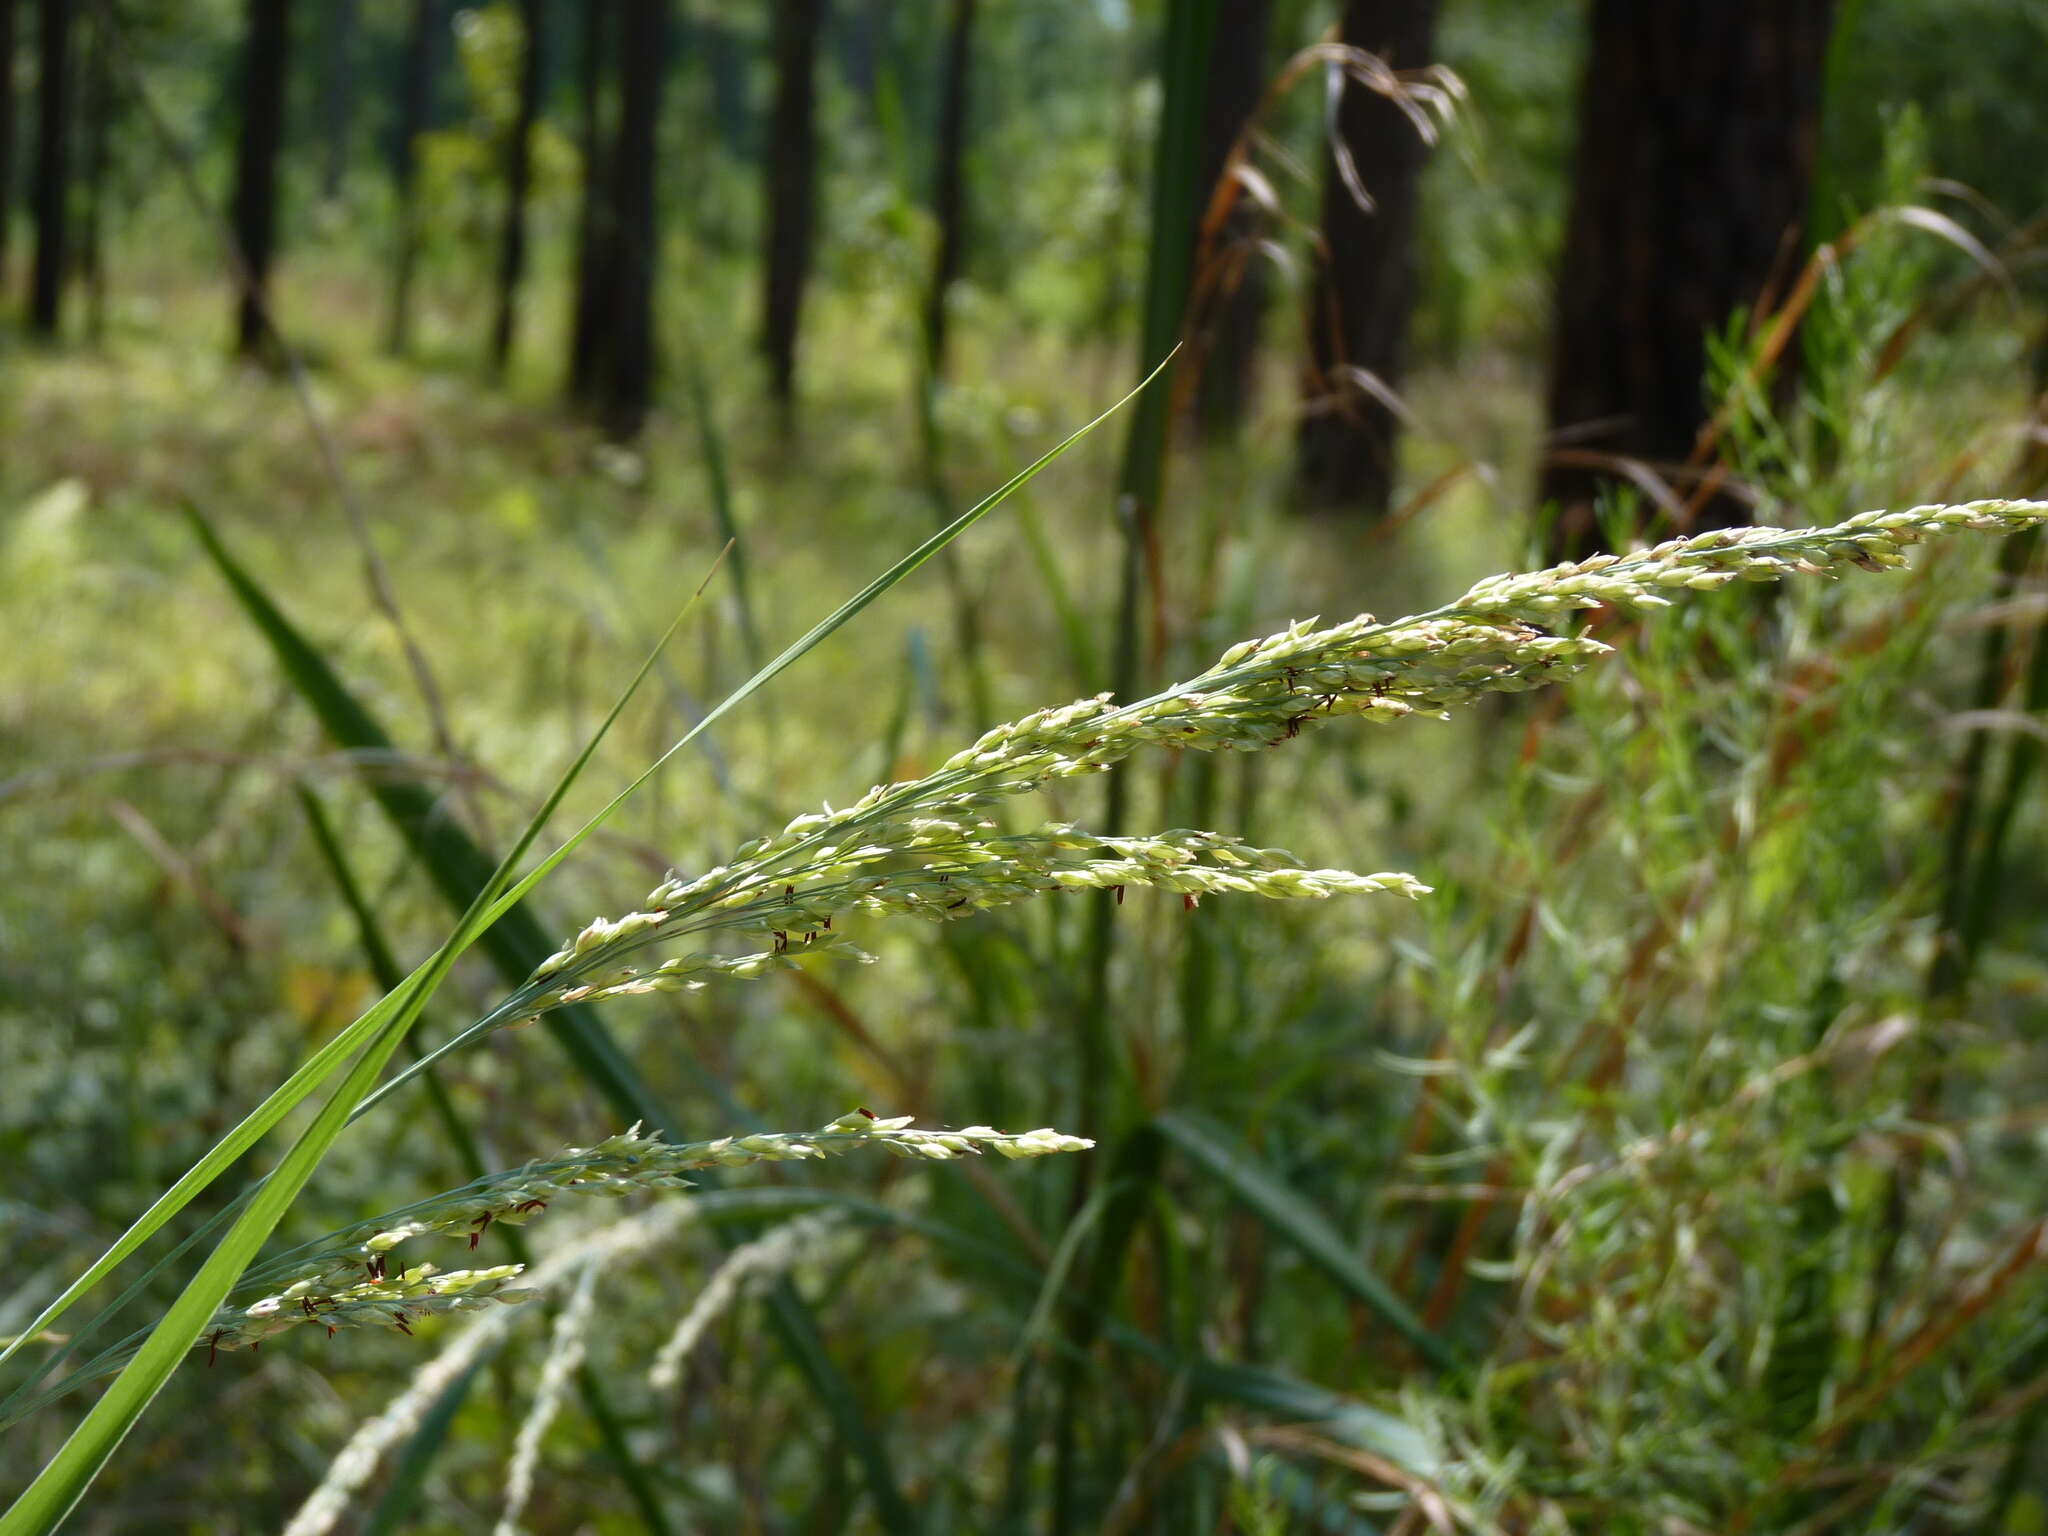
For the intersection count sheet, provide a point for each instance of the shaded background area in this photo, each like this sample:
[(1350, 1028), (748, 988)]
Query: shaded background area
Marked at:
[(1675, 1167)]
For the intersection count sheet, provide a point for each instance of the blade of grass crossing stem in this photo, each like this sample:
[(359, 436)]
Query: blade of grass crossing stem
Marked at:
[(370, 934), (824, 628), (1266, 1195)]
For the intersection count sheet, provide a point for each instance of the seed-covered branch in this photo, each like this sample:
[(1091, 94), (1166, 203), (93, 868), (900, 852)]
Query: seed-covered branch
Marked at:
[(345, 1279), (928, 848)]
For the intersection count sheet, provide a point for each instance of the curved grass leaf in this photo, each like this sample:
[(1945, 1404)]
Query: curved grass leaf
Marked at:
[(1268, 1197)]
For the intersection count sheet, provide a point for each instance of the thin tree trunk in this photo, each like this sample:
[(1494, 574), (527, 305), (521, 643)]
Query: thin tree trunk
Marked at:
[(337, 95), (1697, 128), (626, 384), (254, 209), (52, 170), (518, 181), (792, 189), (596, 243), (415, 109), (7, 14), (949, 183), (1229, 282), (1358, 322)]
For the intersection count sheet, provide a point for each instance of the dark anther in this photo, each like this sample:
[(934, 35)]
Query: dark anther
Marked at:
[(1189, 901), (213, 1347), (1119, 894), (954, 906)]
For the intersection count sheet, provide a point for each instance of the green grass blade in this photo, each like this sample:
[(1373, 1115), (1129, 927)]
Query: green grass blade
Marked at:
[(409, 1481), (789, 1318), (824, 629), (1268, 1197)]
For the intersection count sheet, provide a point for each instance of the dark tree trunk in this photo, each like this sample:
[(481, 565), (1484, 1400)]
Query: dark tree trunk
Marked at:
[(625, 384), (52, 171), (6, 130), (596, 242), (254, 210), (949, 181), (518, 181), (792, 188), (337, 95), (1697, 128), (1358, 323), (415, 111), (1229, 291)]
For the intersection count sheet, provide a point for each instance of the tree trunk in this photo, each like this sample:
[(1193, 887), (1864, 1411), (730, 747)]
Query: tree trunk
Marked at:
[(254, 209), (792, 188), (1697, 128), (595, 238), (6, 130), (52, 171), (625, 385), (415, 110), (337, 95), (1229, 282), (949, 181), (1358, 325), (518, 181)]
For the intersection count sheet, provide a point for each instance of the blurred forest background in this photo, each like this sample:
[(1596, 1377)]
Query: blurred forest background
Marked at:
[(1675, 1167)]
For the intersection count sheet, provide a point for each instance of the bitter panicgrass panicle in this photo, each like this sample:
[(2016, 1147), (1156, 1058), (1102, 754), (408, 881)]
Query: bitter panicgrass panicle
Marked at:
[(345, 1279), (928, 847)]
